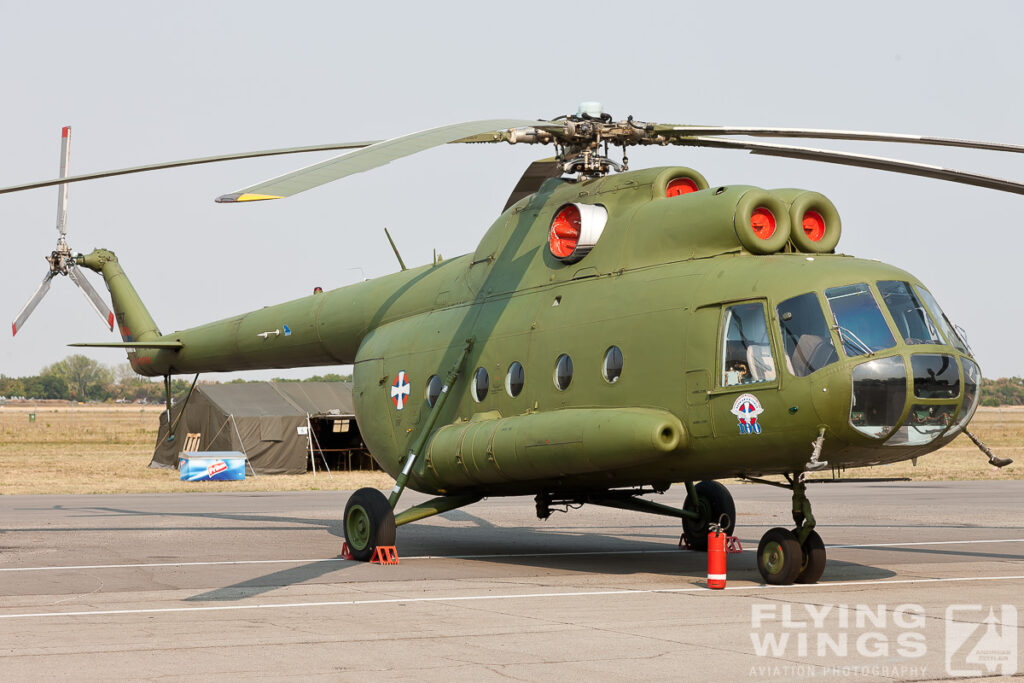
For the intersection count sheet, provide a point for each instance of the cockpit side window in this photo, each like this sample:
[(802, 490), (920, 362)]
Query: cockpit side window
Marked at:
[(746, 346), (908, 313), (862, 328), (942, 320), (805, 335)]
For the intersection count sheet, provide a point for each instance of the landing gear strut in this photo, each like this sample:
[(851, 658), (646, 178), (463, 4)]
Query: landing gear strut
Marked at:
[(785, 557)]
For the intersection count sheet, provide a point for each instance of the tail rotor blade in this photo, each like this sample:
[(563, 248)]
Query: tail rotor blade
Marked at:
[(25, 312), (97, 302)]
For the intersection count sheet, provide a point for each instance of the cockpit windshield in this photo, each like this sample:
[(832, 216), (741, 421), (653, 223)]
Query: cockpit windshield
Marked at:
[(908, 313), (861, 326)]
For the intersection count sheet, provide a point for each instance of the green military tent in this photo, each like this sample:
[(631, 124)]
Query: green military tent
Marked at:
[(268, 421)]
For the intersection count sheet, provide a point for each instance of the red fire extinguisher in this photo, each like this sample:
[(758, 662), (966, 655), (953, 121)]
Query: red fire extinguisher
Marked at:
[(716, 557)]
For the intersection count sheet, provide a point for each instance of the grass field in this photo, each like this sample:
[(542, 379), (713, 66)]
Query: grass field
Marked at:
[(107, 449)]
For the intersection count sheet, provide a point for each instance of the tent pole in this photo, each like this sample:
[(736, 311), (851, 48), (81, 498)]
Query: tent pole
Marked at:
[(242, 444), (167, 401), (309, 445), (183, 405), (323, 458)]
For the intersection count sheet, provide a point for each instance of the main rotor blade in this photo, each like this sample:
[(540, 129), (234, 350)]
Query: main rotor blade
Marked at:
[(862, 160), (689, 131), (97, 302), (188, 162), (375, 155), (27, 309), (62, 191)]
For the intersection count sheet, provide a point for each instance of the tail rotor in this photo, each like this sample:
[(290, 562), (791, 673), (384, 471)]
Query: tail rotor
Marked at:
[(62, 260)]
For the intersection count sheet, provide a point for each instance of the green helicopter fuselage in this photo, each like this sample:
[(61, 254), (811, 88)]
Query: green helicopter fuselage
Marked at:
[(669, 352)]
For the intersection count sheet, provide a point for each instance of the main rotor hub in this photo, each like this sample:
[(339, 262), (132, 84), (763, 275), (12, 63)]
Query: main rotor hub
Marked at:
[(583, 139)]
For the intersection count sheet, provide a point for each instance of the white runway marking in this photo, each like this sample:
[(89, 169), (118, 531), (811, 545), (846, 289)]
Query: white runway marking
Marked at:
[(749, 548), (166, 564), (465, 598), (901, 545)]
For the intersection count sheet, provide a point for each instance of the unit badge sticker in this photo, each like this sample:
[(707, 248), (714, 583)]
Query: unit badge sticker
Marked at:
[(400, 390), (746, 408)]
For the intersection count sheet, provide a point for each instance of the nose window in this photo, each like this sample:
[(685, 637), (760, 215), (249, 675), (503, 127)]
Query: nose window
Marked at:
[(935, 376), (879, 393), (924, 424), (972, 378), (861, 326)]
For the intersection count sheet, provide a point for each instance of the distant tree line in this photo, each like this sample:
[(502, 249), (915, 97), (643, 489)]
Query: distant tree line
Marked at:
[(329, 377), (1007, 391), (80, 378)]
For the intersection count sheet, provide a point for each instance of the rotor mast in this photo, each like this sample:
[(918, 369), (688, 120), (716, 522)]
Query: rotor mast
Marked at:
[(582, 140)]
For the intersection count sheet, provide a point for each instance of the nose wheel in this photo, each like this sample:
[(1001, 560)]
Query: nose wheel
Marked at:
[(784, 556), (779, 557), (812, 564)]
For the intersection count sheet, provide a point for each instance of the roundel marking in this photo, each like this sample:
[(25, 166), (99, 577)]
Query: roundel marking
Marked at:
[(400, 390)]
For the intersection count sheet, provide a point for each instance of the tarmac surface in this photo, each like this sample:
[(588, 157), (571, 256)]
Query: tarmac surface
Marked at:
[(924, 581)]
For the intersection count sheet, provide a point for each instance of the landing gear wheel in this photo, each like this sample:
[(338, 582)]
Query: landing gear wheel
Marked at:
[(813, 560), (369, 522), (779, 557), (715, 501)]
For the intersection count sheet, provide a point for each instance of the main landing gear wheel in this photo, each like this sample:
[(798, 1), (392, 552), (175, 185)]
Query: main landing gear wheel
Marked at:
[(779, 557), (369, 523), (813, 564), (714, 502)]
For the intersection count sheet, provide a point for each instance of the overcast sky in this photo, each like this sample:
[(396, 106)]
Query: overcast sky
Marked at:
[(142, 82)]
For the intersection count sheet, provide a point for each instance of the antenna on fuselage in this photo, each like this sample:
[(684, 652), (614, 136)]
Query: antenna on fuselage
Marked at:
[(395, 249)]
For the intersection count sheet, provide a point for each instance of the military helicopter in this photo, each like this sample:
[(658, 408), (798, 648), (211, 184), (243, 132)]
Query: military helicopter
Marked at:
[(612, 334)]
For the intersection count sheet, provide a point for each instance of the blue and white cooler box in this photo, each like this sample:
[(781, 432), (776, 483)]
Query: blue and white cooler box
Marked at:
[(213, 466)]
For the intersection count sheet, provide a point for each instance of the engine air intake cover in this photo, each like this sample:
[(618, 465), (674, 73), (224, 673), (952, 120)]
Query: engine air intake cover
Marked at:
[(575, 230), (678, 181), (816, 224), (762, 222)]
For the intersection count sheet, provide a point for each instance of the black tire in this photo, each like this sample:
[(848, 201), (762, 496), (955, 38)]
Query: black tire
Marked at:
[(369, 523), (715, 501), (779, 557), (813, 563)]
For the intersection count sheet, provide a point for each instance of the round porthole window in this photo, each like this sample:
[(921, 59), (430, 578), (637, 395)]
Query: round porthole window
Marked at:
[(480, 384), (515, 379), (433, 390), (612, 366), (563, 372)]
